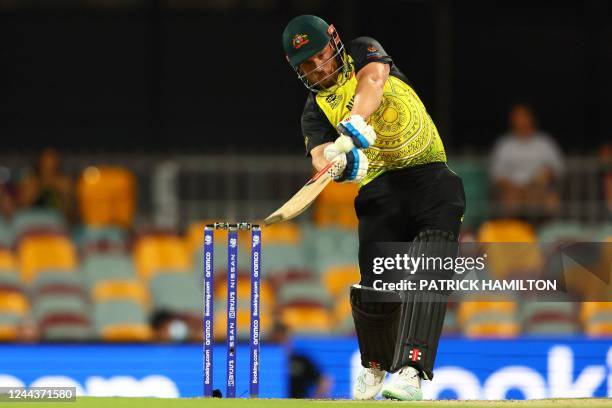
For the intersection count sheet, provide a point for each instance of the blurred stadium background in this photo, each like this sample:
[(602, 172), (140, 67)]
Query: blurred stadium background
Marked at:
[(126, 125)]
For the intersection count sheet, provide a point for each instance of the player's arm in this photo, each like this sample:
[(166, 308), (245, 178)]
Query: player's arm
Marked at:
[(370, 84), (318, 157), (372, 65)]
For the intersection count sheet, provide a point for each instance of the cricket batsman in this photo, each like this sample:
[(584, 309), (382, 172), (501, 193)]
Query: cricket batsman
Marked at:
[(362, 114)]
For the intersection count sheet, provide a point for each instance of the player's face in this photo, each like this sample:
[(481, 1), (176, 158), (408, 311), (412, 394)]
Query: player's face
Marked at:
[(321, 67)]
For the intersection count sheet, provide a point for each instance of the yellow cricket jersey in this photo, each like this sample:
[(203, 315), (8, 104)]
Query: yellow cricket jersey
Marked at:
[(406, 134)]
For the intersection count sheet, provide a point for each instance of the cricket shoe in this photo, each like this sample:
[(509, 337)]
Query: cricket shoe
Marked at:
[(405, 387), (368, 383)]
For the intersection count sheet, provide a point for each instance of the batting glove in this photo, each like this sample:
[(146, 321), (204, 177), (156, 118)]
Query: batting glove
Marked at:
[(350, 167), (355, 127)]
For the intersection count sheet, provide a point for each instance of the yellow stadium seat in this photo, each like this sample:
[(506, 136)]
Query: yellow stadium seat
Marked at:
[(591, 309), (492, 329), (120, 290), (508, 230), (286, 233), (7, 260), (467, 310), (339, 193), (107, 196), (153, 253), (334, 206), (504, 258), (127, 333), (342, 309), (41, 252), (599, 329), (307, 319), (8, 333), (13, 303), (338, 279)]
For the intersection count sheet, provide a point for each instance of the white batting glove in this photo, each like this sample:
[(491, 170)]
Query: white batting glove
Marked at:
[(350, 167), (355, 127)]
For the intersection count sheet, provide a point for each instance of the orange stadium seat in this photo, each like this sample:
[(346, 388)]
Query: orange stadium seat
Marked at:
[(40, 252), (121, 290), (154, 253), (469, 311), (511, 247), (107, 196), (307, 319), (592, 310), (335, 206), (14, 303), (7, 260), (127, 333), (286, 233), (8, 333), (338, 279), (492, 329), (598, 329)]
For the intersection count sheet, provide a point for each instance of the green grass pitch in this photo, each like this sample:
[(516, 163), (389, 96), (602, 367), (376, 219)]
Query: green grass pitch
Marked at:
[(93, 402)]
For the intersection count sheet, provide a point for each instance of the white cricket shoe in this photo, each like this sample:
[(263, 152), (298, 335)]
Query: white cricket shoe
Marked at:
[(368, 383), (405, 387)]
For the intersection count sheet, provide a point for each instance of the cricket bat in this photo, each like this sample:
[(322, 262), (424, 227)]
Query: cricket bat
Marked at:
[(303, 198)]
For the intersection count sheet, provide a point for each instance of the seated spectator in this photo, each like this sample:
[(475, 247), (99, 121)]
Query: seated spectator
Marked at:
[(170, 327), (47, 186), (8, 198), (526, 166)]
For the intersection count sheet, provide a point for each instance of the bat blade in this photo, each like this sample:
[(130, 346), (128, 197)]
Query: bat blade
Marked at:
[(303, 198)]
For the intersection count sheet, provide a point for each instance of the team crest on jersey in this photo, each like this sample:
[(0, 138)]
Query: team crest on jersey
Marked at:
[(372, 53), (333, 100), (299, 40)]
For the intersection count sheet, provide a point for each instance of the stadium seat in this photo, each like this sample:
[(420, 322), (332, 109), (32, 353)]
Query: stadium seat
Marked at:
[(511, 247), (304, 319), (492, 330), (49, 305), (9, 281), (549, 318), (303, 292), (66, 326), (338, 279), (100, 239), (42, 252), (480, 311), (595, 311), (153, 253), (279, 258), (286, 233), (334, 206), (114, 290), (117, 313), (38, 220), (563, 231), (7, 260), (101, 267), (107, 196), (13, 303), (127, 333), (8, 333), (176, 292)]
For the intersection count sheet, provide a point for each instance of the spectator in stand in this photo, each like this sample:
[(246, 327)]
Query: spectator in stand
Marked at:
[(526, 167), (47, 186)]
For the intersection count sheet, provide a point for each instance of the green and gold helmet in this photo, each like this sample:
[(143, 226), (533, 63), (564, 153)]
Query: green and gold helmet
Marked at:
[(305, 36)]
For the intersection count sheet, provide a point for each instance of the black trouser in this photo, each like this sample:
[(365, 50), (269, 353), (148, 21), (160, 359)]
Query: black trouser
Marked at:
[(399, 204)]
